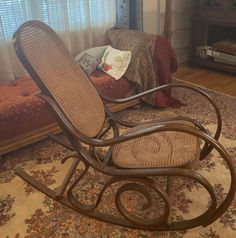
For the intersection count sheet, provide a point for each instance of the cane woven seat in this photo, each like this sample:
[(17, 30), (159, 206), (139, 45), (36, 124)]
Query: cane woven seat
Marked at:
[(163, 149)]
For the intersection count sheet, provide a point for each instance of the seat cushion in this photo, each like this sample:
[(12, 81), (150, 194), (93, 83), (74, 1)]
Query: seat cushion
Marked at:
[(162, 149)]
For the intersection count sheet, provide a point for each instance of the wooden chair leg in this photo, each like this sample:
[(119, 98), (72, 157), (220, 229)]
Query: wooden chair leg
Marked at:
[(169, 190), (61, 189), (60, 141)]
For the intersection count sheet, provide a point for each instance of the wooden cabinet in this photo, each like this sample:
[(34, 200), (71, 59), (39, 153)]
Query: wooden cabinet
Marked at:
[(212, 21)]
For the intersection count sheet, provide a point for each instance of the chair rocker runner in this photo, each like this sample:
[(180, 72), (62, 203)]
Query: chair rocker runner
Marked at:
[(161, 148)]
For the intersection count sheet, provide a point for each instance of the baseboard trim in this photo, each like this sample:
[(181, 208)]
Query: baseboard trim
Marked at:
[(28, 138)]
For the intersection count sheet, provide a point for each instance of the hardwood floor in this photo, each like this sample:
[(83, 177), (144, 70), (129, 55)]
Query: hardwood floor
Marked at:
[(212, 79)]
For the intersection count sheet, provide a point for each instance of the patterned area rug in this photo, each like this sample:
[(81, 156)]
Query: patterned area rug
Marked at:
[(25, 212)]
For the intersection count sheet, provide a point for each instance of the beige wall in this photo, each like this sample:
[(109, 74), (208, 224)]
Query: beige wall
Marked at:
[(150, 16), (153, 13), (181, 28)]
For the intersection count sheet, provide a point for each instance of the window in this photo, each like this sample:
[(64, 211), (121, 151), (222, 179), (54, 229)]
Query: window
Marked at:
[(12, 14), (56, 13)]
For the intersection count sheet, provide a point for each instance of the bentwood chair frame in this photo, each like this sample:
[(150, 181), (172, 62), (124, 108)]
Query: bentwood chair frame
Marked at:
[(136, 179)]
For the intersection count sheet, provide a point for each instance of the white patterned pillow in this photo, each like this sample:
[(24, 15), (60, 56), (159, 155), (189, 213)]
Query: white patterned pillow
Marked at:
[(115, 62), (96, 52), (88, 63)]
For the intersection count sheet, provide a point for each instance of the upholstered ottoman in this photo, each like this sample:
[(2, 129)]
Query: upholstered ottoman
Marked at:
[(24, 117), (108, 86)]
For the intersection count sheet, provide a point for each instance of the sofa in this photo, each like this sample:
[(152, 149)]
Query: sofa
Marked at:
[(25, 118)]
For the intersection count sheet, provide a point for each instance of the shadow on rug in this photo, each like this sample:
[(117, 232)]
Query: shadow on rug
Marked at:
[(25, 212)]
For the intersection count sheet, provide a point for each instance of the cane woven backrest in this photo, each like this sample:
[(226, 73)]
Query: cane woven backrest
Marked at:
[(62, 76)]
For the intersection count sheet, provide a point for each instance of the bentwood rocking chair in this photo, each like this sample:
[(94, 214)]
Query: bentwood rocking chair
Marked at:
[(163, 148)]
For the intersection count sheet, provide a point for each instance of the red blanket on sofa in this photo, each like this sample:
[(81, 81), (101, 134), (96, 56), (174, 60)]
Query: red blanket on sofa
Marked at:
[(153, 60)]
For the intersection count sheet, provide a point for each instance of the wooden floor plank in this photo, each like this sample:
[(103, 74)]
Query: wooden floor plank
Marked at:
[(216, 80)]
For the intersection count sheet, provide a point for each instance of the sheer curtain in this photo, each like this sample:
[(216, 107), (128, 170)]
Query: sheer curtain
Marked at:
[(80, 23)]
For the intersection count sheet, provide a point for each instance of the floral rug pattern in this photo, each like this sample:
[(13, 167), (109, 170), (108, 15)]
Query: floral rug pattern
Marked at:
[(25, 212)]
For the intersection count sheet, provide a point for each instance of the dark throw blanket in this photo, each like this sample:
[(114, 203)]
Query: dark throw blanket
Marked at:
[(153, 60)]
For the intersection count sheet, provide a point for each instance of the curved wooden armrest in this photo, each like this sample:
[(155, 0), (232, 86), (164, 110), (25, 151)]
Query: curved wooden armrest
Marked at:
[(207, 148), (98, 142), (159, 127), (165, 120), (131, 98)]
